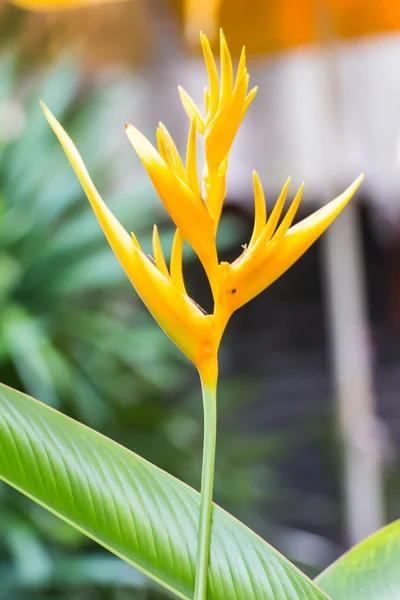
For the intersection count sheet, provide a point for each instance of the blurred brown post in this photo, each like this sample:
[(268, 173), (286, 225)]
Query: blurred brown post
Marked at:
[(349, 331), (351, 357)]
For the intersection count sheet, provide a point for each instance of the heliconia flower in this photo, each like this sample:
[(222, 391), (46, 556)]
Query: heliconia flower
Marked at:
[(195, 207), (162, 290)]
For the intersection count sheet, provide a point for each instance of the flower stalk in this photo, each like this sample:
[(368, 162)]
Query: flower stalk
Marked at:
[(209, 392)]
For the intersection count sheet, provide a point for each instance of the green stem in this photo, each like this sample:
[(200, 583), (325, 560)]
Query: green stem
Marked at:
[(207, 483)]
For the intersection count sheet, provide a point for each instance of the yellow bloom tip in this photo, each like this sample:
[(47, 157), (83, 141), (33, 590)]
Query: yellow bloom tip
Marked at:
[(135, 240), (254, 90), (47, 112), (351, 190), (359, 180)]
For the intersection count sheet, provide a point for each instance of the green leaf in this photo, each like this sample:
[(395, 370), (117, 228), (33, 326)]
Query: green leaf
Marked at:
[(369, 571), (132, 508)]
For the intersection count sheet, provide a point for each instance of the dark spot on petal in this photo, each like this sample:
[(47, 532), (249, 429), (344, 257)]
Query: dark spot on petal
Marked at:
[(233, 291)]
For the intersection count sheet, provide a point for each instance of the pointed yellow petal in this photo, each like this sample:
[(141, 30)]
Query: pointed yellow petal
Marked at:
[(241, 65), (118, 238), (304, 233), (171, 152), (215, 191), (158, 253), (161, 145), (176, 262), (260, 210), (191, 160), (290, 215), (191, 110), (249, 99), (221, 132), (272, 222), (212, 76), (180, 318), (226, 73), (186, 209), (250, 277), (135, 240), (206, 101), (223, 167)]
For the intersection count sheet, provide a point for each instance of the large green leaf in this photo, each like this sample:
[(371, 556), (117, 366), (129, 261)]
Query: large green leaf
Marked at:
[(134, 509), (369, 571)]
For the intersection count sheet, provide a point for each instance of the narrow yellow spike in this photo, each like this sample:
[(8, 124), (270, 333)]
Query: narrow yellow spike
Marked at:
[(241, 65), (161, 146), (158, 254), (191, 110), (215, 192), (249, 99), (223, 128), (118, 238), (171, 152), (191, 160), (212, 76), (223, 167), (135, 240), (272, 222), (260, 210), (206, 101), (176, 262), (226, 72), (290, 215)]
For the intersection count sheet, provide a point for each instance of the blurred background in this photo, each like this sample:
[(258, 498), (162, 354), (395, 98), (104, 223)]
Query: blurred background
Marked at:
[(309, 418)]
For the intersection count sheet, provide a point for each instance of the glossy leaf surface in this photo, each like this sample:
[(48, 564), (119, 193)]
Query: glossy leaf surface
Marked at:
[(369, 571), (134, 509)]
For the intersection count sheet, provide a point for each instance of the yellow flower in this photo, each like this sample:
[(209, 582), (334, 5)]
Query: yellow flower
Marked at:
[(195, 207), (162, 290)]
